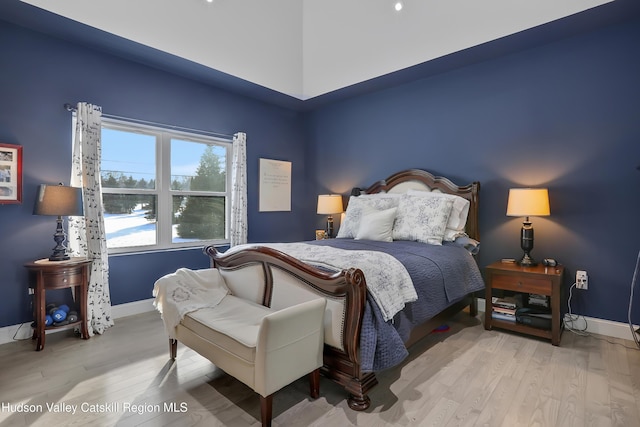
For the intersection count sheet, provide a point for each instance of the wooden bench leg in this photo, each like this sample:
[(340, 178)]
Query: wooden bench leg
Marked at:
[(266, 406), (173, 349), (314, 383), (266, 403)]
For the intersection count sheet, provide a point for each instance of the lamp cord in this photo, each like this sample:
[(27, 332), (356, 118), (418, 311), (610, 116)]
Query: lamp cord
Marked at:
[(15, 335), (633, 283), (570, 319)]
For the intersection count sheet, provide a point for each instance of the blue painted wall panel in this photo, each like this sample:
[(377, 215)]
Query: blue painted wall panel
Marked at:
[(565, 115), (39, 74)]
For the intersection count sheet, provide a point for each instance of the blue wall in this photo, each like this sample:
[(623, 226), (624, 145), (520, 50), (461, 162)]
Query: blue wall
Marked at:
[(565, 115), (39, 74)]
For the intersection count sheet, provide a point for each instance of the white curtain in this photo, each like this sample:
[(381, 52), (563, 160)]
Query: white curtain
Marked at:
[(238, 226), (87, 234)]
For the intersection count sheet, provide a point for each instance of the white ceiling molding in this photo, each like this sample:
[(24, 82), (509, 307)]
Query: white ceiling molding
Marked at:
[(311, 47)]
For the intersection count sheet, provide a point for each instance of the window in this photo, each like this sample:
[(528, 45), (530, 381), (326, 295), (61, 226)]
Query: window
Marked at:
[(162, 188)]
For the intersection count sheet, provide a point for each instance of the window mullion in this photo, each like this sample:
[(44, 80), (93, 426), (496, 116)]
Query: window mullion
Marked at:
[(229, 168), (165, 211)]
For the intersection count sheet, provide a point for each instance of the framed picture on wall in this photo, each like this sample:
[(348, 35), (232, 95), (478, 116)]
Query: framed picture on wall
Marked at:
[(275, 186), (10, 173)]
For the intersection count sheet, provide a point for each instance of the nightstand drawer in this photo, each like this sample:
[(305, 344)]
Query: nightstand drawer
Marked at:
[(529, 285), (62, 278)]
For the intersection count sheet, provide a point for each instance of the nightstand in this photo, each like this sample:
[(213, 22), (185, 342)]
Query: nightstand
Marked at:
[(540, 279), (46, 275)]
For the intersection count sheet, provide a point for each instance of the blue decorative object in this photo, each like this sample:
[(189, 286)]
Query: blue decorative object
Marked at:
[(59, 315)]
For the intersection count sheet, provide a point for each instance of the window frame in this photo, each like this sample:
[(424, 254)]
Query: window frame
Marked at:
[(163, 192)]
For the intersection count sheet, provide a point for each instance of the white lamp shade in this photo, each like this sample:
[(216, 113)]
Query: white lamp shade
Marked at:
[(329, 204), (528, 202)]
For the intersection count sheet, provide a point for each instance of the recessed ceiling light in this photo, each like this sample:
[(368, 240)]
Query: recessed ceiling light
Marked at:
[(398, 6)]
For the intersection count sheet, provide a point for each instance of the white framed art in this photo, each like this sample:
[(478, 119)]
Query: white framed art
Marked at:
[(275, 185)]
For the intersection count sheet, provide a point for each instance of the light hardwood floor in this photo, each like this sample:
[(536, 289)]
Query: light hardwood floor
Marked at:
[(465, 377)]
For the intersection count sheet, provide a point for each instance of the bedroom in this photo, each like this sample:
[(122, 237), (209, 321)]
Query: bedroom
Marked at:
[(562, 114)]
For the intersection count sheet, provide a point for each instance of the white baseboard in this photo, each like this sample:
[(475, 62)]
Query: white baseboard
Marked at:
[(132, 308), (24, 331), (594, 325)]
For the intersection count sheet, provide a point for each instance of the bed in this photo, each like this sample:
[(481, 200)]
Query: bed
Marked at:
[(363, 335)]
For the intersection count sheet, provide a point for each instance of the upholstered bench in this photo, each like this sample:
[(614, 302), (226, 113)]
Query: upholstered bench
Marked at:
[(264, 348)]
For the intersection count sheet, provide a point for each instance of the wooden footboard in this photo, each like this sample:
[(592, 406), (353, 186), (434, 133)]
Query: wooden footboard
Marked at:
[(260, 273)]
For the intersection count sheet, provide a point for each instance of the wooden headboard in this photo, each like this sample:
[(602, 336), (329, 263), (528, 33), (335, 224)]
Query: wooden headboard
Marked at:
[(418, 179)]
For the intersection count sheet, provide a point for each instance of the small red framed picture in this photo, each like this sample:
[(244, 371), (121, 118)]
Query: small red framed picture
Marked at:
[(10, 173)]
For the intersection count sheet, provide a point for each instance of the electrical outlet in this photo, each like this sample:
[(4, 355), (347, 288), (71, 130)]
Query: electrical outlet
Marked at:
[(582, 280), (31, 291)]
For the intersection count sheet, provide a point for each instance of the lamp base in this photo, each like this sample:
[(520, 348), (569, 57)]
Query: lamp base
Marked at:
[(329, 227), (57, 256), (526, 243), (527, 261), (60, 251)]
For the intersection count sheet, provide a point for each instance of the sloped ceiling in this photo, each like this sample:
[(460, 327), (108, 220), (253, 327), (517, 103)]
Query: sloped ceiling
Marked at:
[(307, 48)]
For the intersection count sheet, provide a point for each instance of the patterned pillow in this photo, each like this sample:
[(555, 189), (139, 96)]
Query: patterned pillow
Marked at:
[(458, 218), (422, 219), (351, 222)]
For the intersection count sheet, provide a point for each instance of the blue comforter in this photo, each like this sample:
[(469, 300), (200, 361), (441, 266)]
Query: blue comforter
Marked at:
[(441, 275)]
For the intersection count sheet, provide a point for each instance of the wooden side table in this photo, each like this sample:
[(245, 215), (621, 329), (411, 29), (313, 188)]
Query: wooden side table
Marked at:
[(540, 280), (44, 275)]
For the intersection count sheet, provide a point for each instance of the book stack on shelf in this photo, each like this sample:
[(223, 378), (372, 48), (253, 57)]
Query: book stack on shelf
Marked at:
[(504, 309)]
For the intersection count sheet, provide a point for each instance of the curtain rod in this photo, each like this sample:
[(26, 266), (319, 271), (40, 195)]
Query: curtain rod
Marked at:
[(73, 109)]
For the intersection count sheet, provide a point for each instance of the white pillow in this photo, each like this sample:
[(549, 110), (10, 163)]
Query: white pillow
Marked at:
[(457, 219), (422, 219), (351, 223), (377, 225)]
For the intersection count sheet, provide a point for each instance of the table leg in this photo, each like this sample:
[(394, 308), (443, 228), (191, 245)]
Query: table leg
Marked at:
[(40, 315), (84, 289)]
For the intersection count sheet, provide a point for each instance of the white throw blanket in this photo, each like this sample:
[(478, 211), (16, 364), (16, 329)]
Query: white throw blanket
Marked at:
[(186, 290), (387, 279)]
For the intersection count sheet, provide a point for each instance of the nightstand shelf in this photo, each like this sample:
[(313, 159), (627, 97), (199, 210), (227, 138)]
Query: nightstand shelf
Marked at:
[(46, 275), (516, 279)]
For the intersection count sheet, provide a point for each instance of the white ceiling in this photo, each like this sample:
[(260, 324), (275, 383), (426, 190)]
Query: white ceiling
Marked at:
[(306, 48)]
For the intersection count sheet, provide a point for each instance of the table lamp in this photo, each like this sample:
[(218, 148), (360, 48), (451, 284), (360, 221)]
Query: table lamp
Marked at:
[(58, 200), (527, 202), (329, 204)]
